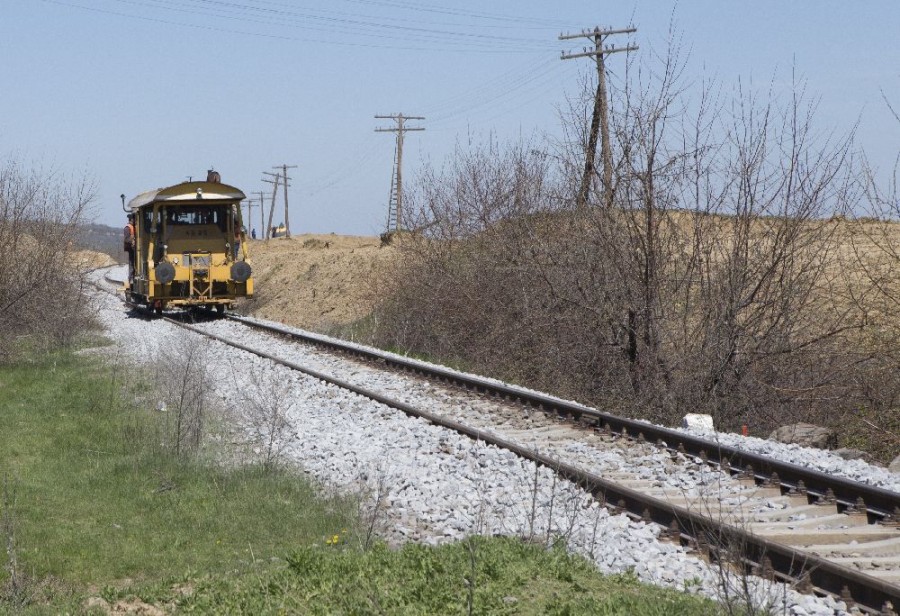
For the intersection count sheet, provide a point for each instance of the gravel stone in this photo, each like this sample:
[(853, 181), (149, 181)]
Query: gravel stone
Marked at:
[(440, 486)]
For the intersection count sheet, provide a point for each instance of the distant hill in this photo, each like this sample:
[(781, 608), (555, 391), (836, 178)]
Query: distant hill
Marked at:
[(103, 238)]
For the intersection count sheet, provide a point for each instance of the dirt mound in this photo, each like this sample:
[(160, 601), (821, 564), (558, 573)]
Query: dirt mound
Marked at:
[(89, 259), (318, 282)]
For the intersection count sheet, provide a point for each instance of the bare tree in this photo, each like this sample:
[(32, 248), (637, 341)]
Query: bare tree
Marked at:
[(41, 287)]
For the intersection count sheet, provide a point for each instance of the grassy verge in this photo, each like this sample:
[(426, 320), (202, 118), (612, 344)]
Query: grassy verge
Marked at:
[(93, 500), (476, 576), (96, 512)]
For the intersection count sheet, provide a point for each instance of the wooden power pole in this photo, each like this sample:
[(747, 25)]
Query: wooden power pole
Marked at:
[(285, 178), (395, 201), (248, 221), (262, 214), (600, 117), (274, 182)]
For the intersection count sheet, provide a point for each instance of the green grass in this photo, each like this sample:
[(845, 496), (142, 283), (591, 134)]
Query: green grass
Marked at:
[(510, 577), (100, 509), (97, 500)]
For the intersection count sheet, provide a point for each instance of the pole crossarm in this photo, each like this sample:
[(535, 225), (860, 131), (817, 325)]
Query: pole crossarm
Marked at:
[(597, 32), (597, 52)]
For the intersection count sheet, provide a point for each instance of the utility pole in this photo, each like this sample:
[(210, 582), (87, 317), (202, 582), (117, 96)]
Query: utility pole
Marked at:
[(274, 182), (252, 203), (262, 222), (287, 224), (395, 200), (248, 220), (600, 117)]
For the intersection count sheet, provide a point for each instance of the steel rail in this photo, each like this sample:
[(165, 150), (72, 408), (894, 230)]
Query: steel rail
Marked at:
[(808, 571), (879, 503), (718, 539)]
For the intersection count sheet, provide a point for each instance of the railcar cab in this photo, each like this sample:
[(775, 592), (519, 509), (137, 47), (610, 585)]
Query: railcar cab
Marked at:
[(190, 248)]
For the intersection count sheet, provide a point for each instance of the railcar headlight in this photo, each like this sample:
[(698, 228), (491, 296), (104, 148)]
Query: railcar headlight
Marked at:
[(240, 271), (165, 272)]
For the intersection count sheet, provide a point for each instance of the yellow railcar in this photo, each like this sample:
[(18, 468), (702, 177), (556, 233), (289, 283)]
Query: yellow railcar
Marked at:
[(189, 247)]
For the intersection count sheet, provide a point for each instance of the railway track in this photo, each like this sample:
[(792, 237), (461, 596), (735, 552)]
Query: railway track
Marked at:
[(823, 534)]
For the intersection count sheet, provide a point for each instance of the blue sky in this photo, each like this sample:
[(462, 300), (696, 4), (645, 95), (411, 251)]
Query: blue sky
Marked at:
[(144, 93)]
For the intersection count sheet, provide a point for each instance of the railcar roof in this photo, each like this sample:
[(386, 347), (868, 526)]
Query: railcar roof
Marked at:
[(194, 192)]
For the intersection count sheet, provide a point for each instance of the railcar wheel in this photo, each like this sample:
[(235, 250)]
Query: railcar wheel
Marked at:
[(220, 309)]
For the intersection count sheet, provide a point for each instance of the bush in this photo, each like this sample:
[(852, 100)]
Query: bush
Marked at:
[(711, 278), (41, 286)]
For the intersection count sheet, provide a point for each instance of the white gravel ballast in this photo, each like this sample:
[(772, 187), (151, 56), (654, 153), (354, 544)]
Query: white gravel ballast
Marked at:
[(435, 484)]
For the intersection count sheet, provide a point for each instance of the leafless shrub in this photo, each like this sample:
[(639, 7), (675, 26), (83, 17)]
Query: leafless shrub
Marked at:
[(268, 406), (182, 375), (372, 508), (872, 259), (41, 287)]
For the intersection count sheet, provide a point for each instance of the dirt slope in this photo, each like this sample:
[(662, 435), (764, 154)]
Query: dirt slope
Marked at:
[(318, 282)]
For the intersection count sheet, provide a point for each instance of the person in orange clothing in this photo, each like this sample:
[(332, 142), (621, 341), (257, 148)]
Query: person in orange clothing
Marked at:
[(128, 241)]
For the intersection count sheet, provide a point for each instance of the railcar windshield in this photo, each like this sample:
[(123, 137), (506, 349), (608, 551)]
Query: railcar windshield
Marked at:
[(198, 215)]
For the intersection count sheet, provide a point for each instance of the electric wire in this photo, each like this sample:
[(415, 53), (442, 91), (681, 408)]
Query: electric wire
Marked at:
[(339, 173), (536, 81), (282, 15), (294, 11), (452, 40)]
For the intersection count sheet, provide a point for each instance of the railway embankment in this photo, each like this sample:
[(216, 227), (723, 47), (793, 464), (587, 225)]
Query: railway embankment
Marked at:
[(320, 282)]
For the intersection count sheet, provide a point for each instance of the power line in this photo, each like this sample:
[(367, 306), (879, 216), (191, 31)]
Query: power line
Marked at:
[(287, 10), (338, 173), (494, 97), (450, 40)]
